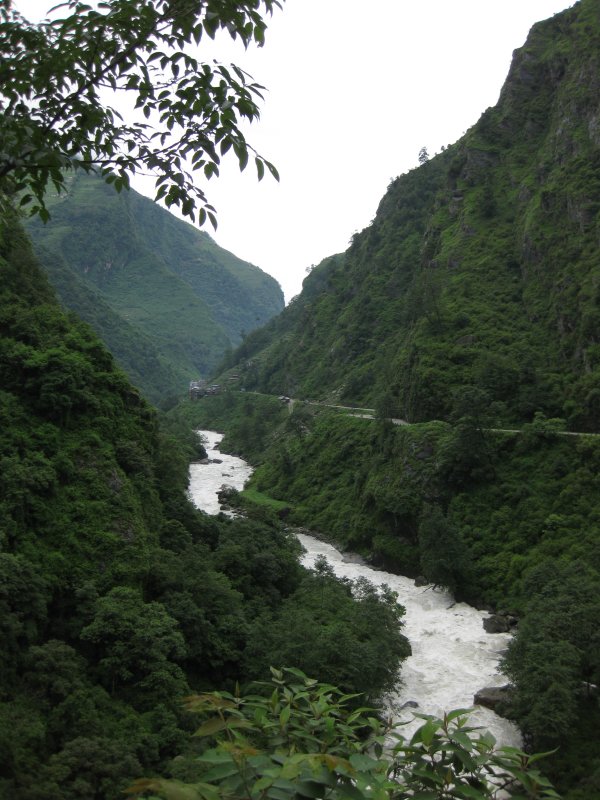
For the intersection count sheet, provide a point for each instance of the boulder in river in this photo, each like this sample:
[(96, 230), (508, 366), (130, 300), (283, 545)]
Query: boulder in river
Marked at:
[(409, 704), (492, 697), (497, 623), (421, 580)]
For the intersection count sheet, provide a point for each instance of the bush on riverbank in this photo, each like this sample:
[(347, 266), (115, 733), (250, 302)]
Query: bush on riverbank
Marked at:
[(297, 739)]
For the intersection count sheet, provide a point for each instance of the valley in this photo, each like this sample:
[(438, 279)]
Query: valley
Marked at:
[(429, 403)]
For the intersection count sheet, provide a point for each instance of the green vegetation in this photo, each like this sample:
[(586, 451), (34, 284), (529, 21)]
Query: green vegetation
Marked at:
[(303, 739), (469, 307), (248, 419), (503, 519), (117, 597), (260, 499), (479, 269), (165, 298)]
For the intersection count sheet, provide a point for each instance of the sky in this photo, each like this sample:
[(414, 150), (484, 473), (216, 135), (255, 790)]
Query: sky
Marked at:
[(355, 88)]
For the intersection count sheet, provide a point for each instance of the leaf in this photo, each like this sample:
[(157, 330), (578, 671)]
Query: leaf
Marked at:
[(470, 793), (312, 789), (537, 756), (457, 712), (221, 771), (273, 170), (169, 789), (350, 791), (363, 762), (216, 724), (463, 739), (280, 794), (426, 733), (284, 716)]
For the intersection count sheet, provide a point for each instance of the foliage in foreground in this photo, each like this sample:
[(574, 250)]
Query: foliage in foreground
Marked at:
[(308, 740), (54, 117)]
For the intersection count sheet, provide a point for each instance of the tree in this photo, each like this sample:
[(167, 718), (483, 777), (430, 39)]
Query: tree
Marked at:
[(306, 740), (467, 454), (136, 645), (55, 76), (423, 155), (443, 553), (554, 657), (347, 633)]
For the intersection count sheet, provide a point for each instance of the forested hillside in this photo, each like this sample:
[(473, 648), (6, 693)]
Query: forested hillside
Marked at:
[(164, 297), (480, 267), (117, 598)]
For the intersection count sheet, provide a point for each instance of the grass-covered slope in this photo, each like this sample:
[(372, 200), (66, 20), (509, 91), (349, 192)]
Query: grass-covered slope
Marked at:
[(481, 265), (172, 286)]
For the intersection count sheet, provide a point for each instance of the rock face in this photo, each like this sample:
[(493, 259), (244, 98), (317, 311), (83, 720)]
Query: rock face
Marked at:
[(492, 697)]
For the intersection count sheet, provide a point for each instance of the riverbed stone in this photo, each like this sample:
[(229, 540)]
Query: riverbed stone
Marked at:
[(496, 624), (409, 704), (492, 697)]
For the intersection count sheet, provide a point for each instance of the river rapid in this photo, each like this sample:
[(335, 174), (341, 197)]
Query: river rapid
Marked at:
[(452, 656)]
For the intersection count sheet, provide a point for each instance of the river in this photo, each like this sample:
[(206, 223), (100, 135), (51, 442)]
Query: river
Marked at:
[(452, 656)]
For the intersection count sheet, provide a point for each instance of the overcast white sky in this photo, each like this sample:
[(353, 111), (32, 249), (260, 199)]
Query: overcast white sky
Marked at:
[(355, 89)]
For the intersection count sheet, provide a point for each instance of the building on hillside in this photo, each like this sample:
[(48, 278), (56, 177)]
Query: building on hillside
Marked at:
[(197, 389)]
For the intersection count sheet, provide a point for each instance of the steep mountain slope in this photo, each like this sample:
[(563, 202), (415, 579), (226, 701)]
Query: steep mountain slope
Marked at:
[(480, 267), (154, 374), (188, 298)]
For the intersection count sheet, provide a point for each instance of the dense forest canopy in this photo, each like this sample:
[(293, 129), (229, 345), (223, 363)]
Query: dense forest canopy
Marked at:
[(479, 269), (118, 597)]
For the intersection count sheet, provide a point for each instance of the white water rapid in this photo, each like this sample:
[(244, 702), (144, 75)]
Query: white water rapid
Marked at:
[(452, 656), (221, 470)]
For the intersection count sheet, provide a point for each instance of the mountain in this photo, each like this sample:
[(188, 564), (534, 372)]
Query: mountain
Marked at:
[(480, 267), (165, 298)]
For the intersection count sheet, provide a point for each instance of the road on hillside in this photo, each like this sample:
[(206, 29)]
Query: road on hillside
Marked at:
[(369, 413)]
